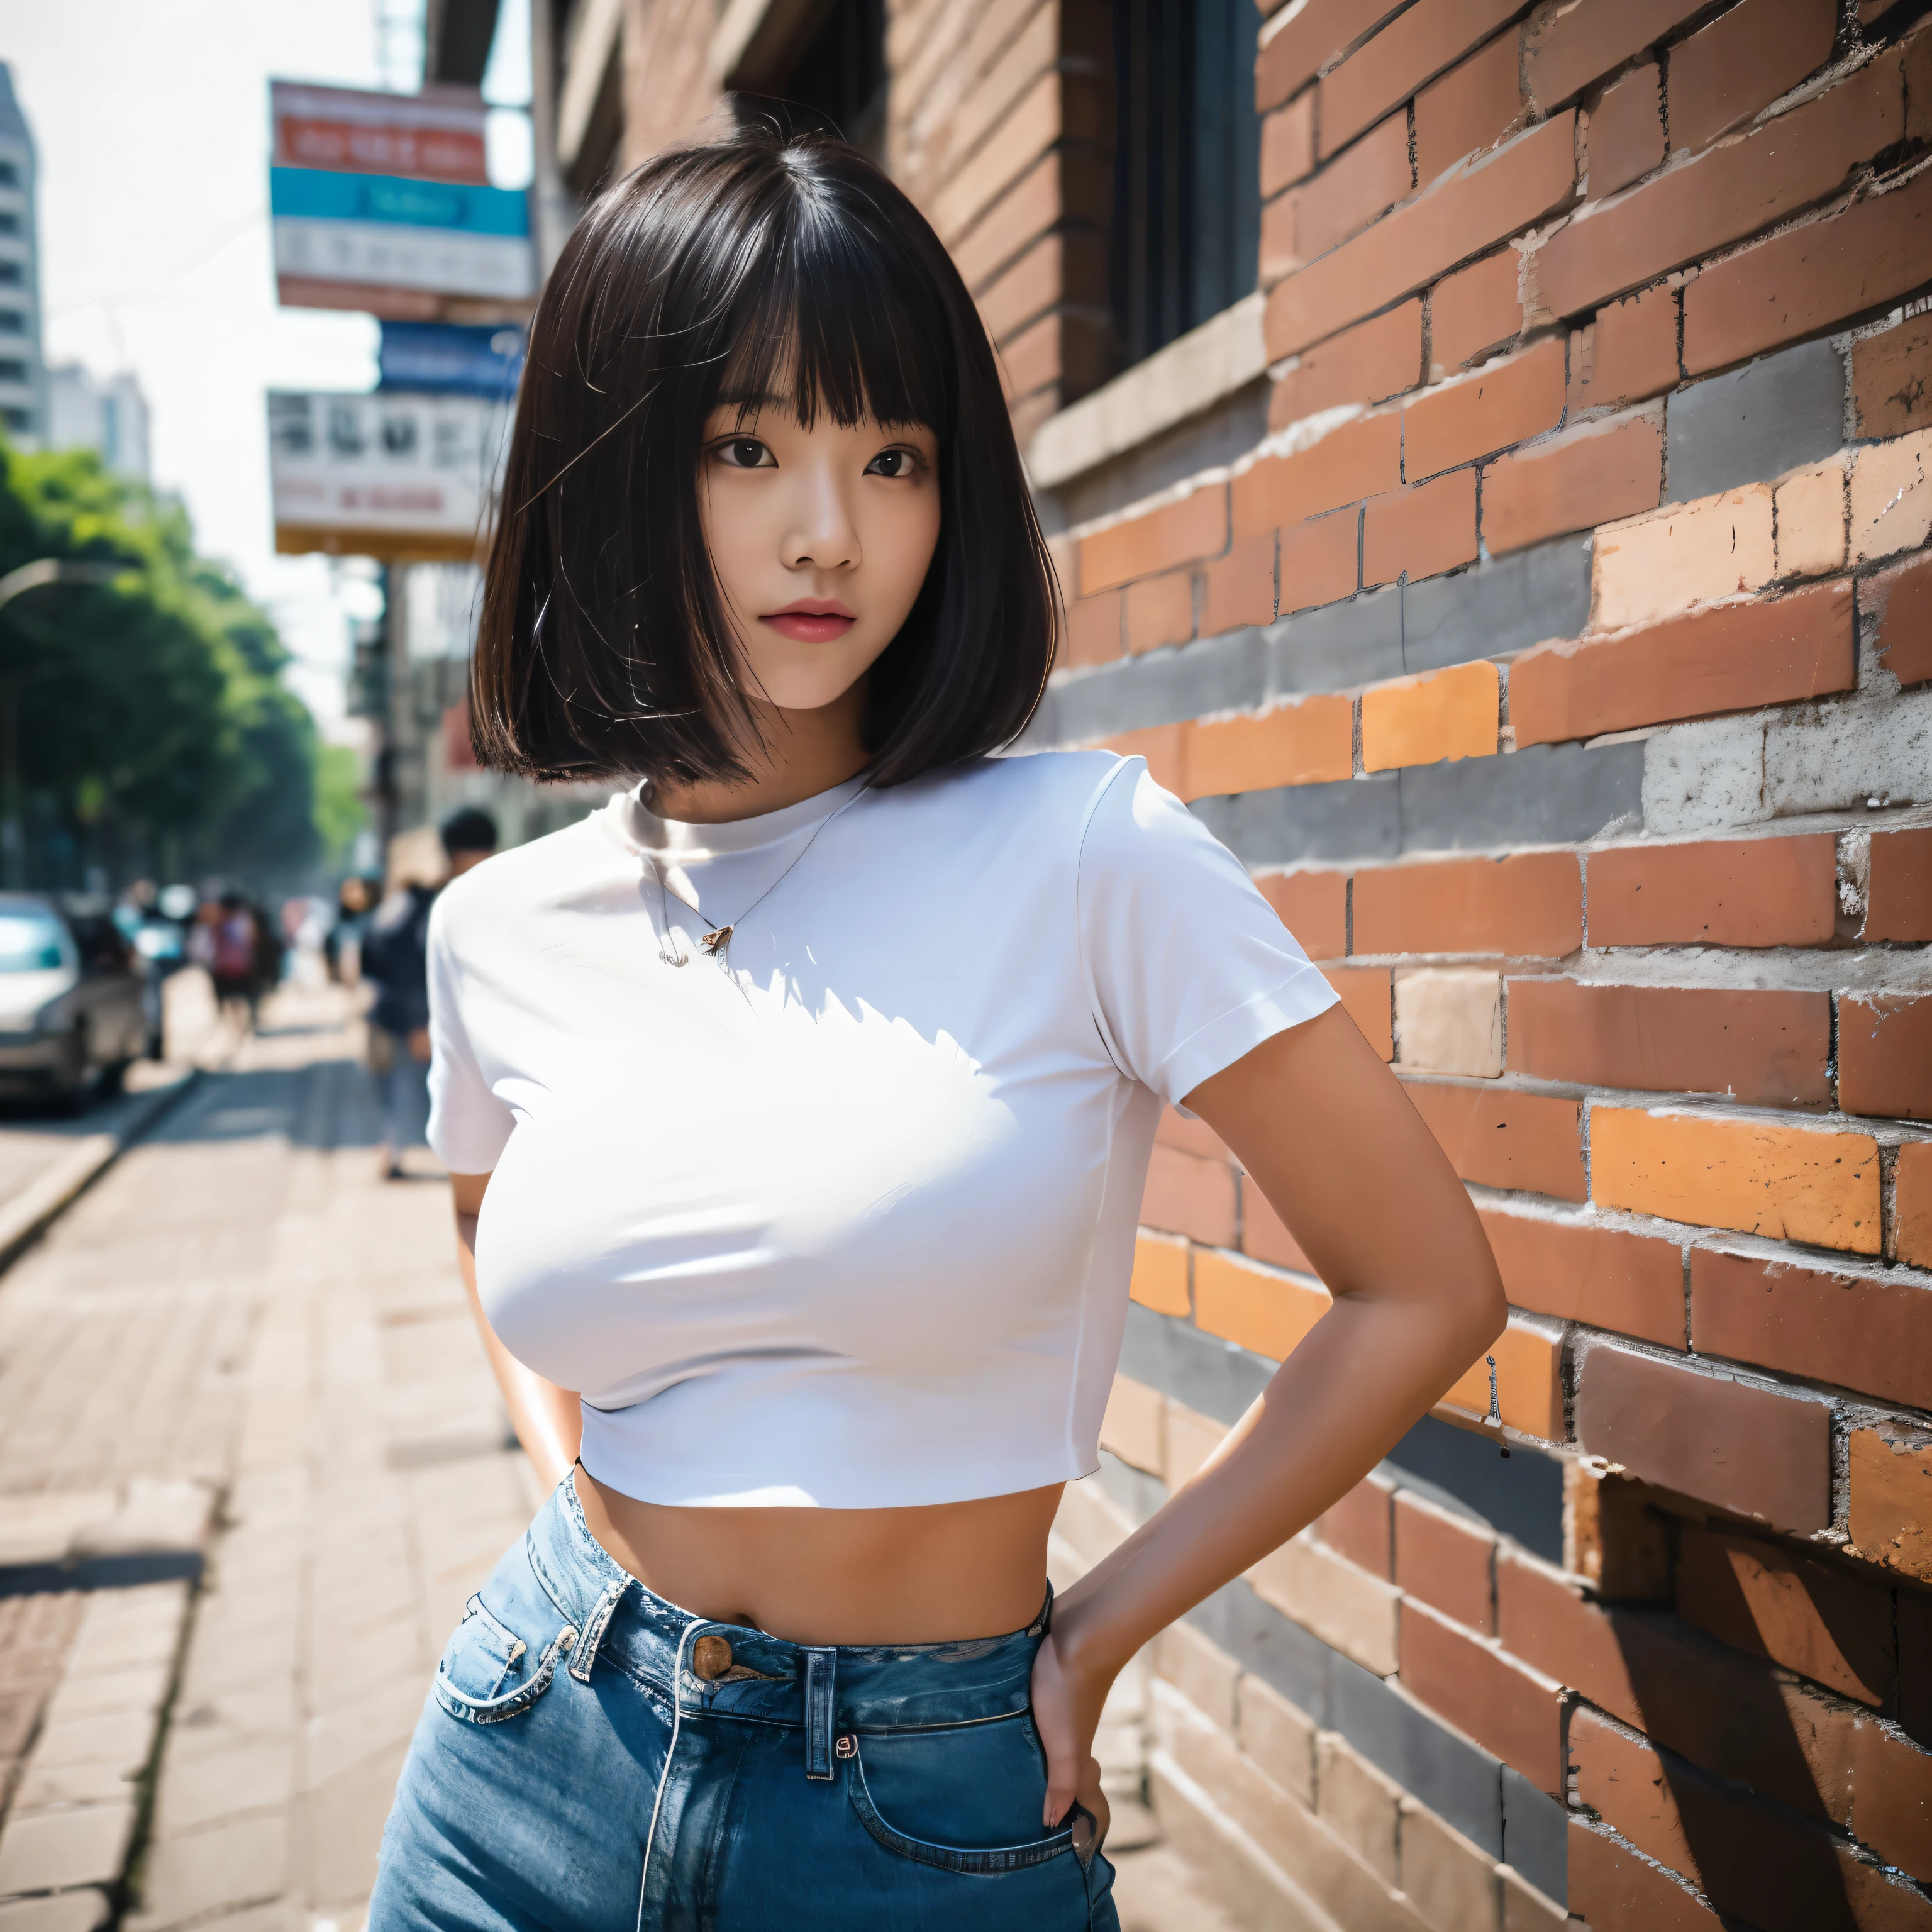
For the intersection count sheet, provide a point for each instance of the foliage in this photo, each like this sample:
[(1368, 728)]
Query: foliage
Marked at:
[(340, 814), (152, 715)]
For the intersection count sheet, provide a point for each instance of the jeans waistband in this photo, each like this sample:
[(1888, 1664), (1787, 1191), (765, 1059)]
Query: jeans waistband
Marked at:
[(825, 1690)]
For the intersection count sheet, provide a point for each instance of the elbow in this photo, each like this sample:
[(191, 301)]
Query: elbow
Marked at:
[(1485, 1311)]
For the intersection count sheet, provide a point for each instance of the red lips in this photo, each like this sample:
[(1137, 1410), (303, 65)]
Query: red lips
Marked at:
[(812, 620)]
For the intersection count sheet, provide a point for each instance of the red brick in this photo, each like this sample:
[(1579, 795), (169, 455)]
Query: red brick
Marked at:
[(1092, 629), (1364, 992), (1889, 1471), (1725, 72), (1754, 892), (1375, 359), (1159, 610), (1626, 132), (1891, 380), (1287, 145), (1360, 1526), (1443, 1560), (1900, 598), (1634, 348), (1316, 37), (1765, 1047), (1613, 1890), (1724, 194), (1419, 531), (1359, 459), (1566, 48), (1913, 1182), (1510, 1710), (1898, 896), (1475, 311), (1872, 1336), (1187, 1195), (1529, 904), (1885, 1056), (1263, 1234), (1822, 1620), (1471, 108), (1179, 533), (1314, 906), (1809, 278), (1590, 475), (1726, 657), (1499, 1137), (1501, 404), (1280, 251), (1032, 283), (1321, 560), (1484, 203), (1399, 59), (1632, 1284), (1353, 190), (1751, 1450), (1547, 1621), (1240, 586)]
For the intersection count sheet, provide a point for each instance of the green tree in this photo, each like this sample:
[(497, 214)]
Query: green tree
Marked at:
[(340, 813)]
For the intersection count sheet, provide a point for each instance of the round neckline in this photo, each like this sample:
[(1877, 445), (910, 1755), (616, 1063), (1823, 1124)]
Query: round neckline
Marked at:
[(649, 834)]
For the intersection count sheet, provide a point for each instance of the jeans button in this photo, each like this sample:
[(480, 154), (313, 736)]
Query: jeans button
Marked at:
[(711, 1658)]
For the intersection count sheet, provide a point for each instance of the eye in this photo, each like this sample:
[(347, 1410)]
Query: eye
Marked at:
[(893, 463), (745, 452)]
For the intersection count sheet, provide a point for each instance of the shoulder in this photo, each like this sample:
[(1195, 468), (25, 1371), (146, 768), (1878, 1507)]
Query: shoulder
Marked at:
[(1043, 789), (513, 886)]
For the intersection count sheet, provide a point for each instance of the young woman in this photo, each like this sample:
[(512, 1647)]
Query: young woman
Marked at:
[(800, 1104)]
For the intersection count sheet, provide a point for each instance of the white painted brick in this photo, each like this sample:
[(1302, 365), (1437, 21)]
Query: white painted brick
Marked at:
[(1841, 755), (1689, 553), (1891, 501), (1811, 521), (1697, 778), (1449, 1020)]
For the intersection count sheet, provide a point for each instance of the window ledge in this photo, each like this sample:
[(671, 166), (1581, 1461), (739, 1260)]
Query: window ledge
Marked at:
[(1194, 372)]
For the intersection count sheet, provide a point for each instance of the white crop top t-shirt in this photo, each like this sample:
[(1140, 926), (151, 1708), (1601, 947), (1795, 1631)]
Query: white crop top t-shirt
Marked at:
[(849, 1224)]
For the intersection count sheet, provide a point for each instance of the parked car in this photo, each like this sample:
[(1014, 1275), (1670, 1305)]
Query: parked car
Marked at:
[(71, 1014)]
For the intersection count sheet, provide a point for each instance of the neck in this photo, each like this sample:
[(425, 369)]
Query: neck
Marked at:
[(805, 753)]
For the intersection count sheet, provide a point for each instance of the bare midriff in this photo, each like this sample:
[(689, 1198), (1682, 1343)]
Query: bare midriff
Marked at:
[(932, 1574)]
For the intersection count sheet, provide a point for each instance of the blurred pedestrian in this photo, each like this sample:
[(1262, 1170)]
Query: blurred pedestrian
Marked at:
[(342, 948), (469, 837), (234, 949)]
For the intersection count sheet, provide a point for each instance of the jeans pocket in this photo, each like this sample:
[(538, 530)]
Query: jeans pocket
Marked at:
[(488, 1672)]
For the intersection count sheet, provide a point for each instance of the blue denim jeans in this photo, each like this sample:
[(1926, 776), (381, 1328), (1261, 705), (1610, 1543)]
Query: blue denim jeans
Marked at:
[(593, 1759)]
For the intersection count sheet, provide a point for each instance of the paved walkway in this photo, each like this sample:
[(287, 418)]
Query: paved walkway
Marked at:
[(240, 1340)]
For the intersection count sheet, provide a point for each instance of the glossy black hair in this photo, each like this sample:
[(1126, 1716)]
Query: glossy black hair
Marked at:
[(765, 263)]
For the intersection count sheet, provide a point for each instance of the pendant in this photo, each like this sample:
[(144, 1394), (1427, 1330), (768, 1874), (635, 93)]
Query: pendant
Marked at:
[(713, 941)]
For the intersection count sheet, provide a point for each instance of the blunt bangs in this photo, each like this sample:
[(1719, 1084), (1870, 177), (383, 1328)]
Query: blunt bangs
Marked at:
[(749, 271)]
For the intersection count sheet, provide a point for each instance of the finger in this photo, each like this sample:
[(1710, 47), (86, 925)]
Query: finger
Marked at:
[(1053, 1717)]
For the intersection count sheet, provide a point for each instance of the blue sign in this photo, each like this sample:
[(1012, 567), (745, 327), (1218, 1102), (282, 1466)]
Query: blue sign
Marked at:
[(451, 359), (321, 194)]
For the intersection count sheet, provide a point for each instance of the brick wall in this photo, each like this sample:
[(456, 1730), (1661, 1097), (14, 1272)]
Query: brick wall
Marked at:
[(1558, 664)]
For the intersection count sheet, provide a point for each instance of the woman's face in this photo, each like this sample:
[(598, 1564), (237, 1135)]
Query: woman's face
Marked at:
[(821, 539)]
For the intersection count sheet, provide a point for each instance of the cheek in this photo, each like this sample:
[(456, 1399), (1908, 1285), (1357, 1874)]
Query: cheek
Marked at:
[(913, 537), (731, 536)]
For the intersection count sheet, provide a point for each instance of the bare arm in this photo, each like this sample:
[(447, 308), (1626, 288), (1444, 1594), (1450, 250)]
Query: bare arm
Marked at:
[(548, 1420), (1328, 1135)]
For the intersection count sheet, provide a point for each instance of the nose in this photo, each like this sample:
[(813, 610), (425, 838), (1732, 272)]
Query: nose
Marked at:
[(822, 535)]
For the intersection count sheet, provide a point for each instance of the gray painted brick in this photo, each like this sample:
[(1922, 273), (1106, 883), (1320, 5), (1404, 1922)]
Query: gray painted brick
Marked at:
[(1520, 1494), (1542, 795), (1536, 1836), (1352, 818), (1275, 1648), (1358, 642), (1135, 1491), (1754, 423), (1506, 604), (1202, 1370), (1165, 687)]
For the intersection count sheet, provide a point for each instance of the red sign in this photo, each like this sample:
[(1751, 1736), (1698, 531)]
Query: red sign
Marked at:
[(437, 135)]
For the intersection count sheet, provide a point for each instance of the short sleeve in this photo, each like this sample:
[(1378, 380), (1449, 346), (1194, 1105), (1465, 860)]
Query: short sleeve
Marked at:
[(1189, 967), (469, 1125)]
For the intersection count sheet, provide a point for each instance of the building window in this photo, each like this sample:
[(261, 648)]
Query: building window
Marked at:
[(10, 175), (1186, 230), (19, 420), (12, 321), (10, 222), (13, 372), (10, 274), (840, 73)]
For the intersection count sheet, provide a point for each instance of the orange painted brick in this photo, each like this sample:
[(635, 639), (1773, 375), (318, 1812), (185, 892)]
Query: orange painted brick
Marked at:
[(1360, 1526), (1581, 1271), (1351, 191), (1307, 743), (1359, 459), (1287, 145), (1421, 720), (1891, 1520), (1898, 896), (1092, 629), (1314, 37), (1626, 132), (1159, 1280), (1633, 349), (1512, 1710), (1529, 1380), (1499, 1137), (1590, 475), (1726, 657), (1756, 892), (1475, 312), (1791, 1183), (1444, 1561), (1471, 108), (1528, 905), (1195, 527), (1187, 1195), (1165, 748), (1265, 1235), (1568, 47), (1501, 403), (1159, 610), (1134, 1425), (1725, 72), (1872, 1336), (1240, 586), (1891, 380), (1485, 201), (1901, 599), (1410, 50), (1614, 1889), (1419, 531), (1367, 996), (1320, 560), (1375, 359), (1885, 1056), (1767, 1048), (1314, 906), (1268, 1313)]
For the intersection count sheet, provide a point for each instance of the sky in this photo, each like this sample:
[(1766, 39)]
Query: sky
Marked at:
[(150, 120)]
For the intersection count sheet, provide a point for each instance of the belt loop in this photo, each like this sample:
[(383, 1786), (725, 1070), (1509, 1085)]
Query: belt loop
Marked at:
[(584, 1653), (1043, 1623), (819, 1668)]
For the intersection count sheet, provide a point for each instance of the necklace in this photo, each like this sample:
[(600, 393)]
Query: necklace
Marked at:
[(717, 942)]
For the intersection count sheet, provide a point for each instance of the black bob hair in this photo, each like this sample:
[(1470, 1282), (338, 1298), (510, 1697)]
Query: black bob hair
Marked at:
[(765, 263)]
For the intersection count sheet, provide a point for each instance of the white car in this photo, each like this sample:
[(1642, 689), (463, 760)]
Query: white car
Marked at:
[(71, 998)]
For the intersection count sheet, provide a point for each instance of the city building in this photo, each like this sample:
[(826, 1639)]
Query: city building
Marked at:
[(1483, 446), (109, 414), (23, 394)]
